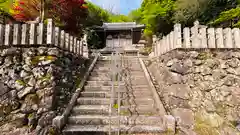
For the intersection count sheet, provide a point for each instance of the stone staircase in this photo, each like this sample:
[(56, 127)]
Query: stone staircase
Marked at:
[(138, 109)]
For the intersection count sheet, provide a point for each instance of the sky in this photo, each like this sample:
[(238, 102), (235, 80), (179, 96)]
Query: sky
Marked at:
[(118, 6)]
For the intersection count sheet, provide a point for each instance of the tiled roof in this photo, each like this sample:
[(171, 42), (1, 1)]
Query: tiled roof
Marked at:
[(122, 26)]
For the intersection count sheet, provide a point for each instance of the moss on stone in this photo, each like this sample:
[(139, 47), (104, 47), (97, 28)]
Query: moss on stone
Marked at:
[(202, 127), (204, 56), (169, 132), (47, 77), (78, 81), (35, 60), (125, 113), (52, 131), (31, 115), (52, 58), (115, 106), (220, 108), (21, 82), (7, 109), (32, 99)]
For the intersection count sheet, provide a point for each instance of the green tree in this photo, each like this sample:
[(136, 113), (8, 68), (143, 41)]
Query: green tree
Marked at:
[(135, 15), (119, 18), (96, 15), (187, 11)]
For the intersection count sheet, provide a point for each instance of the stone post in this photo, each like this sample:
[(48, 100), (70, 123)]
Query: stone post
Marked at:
[(177, 36), (195, 37), (154, 45), (32, 34), (8, 34), (219, 38), (50, 36), (24, 34), (211, 38), (158, 48), (168, 42), (67, 42), (16, 34), (228, 40), (85, 47), (172, 40), (203, 38), (236, 37), (40, 33), (186, 36), (71, 44), (56, 37), (62, 40), (1, 34)]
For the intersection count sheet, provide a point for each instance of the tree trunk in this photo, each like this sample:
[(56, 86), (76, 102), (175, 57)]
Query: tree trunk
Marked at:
[(42, 11)]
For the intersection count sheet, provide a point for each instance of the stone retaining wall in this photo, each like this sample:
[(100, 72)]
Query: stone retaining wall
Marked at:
[(201, 89), (35, 86)]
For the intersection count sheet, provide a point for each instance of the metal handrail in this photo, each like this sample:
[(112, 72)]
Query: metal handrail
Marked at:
[(117, 65)]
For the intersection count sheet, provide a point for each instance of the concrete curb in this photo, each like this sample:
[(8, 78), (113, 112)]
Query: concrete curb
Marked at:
[(60, 121), (160, 106)]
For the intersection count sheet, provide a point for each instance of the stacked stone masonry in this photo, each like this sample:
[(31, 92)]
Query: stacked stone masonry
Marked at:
[(201, 89), (35, 86)]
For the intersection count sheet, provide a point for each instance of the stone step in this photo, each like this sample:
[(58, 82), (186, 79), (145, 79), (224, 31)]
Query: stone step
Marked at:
[(101, 70), (133, 78), (127, 88), (102, 83), (104, 109), (102, 67), (99, 78), (104, 58), (106, 101), (106, 88), (103, 78), (93, 101), (132, 64), (135, 83), (79, 129), (103, 63), (95, 94), (90, 109), (108, 94), (134, 69), (135, 73), (109, 72), (138, 101), (149, 110), (125, 120), (101, 88), (95, 73)]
